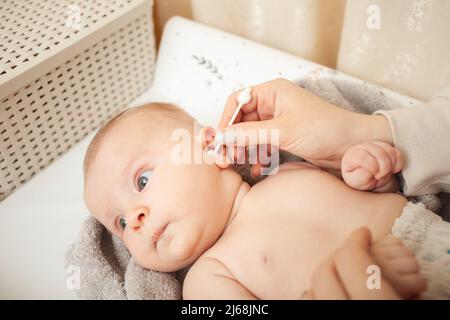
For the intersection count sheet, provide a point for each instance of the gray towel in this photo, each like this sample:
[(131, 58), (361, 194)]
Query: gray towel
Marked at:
[(108, 272)]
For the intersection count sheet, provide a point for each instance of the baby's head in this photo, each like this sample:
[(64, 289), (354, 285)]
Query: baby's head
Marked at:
[(166, 213)]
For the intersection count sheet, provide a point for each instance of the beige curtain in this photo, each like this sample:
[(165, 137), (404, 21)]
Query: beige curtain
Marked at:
[(403, 45), (307, 28), (409, 51)]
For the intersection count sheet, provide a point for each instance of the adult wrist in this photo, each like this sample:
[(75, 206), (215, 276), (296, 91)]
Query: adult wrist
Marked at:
[(380, 129), (376, 127)]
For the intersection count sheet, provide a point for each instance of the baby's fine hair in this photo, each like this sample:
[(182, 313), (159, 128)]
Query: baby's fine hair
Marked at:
[(159, 112)]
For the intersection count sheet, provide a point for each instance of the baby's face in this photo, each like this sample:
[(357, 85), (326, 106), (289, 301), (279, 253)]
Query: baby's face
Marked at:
[(167, 214)]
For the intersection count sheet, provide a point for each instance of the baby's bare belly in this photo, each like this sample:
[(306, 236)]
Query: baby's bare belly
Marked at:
[(289, 223)]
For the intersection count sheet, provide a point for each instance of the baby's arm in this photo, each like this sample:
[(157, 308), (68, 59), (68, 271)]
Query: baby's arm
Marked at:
[(209, 278), (371, 165)]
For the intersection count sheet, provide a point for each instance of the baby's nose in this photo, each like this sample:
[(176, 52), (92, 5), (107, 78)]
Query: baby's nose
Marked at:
[(136, 219)]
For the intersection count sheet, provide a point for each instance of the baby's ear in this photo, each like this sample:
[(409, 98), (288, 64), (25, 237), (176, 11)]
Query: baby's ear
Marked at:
[(207, 135)]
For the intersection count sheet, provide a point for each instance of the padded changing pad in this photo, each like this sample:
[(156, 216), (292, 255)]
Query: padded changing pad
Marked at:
[(197, 68)]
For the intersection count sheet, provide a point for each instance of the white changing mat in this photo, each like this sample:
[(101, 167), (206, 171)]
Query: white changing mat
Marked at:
[(197, 68)]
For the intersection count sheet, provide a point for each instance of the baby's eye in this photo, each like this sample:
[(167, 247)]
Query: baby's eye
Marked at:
[(122, 222), (143, 179)]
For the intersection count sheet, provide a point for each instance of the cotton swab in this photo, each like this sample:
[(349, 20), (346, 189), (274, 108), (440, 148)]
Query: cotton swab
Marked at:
[(244, 97)]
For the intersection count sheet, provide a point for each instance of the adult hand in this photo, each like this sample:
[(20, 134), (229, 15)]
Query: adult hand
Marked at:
[(309, 126), (343, 275)]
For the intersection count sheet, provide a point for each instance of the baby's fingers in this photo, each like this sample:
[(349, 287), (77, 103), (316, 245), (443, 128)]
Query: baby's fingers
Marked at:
[(395, 156), (360, 179), (357, 158), (399, 161), (384, 159)]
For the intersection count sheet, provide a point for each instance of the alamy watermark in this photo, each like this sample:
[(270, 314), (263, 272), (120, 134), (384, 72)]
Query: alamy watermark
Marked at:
[(373, 21), (73, 20), (73, 281), (374, 279), (240, 147)]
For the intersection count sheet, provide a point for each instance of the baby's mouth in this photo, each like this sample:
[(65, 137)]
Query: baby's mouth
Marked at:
[(158, 233)]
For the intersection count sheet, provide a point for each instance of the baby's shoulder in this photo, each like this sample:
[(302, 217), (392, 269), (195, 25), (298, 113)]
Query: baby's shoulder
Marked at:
[(210, 263), (291, 170), (287, 176), (205, 271)]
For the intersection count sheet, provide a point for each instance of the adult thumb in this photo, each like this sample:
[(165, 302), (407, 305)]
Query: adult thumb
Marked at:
[(361, 237)]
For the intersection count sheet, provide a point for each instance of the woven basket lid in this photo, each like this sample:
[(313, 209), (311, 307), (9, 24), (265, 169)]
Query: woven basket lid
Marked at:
[(37, 35)]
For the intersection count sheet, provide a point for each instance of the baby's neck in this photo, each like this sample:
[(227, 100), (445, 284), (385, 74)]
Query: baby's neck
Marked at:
[(240, 195)]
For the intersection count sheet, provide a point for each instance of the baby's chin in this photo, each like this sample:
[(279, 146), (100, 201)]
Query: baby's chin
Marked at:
[(164, 265), (175, 255)]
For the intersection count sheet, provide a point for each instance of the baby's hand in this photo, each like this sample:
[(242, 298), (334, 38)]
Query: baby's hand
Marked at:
[(370, 166)]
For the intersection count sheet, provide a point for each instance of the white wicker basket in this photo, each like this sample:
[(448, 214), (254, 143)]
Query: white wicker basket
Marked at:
[(64, 70)]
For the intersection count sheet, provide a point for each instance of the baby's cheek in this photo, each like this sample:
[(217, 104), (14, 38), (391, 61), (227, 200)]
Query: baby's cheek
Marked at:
[(183, 246)]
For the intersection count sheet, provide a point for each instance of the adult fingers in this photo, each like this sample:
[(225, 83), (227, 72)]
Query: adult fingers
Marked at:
[(352, 263), (263, 102), (232, 104), (252, 133), (326, 284)]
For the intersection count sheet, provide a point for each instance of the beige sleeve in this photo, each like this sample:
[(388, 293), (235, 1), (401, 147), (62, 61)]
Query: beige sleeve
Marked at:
[(422, 134)]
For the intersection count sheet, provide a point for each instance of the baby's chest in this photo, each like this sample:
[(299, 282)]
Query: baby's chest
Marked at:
[(273, 258), (310, 193), (284, 229)]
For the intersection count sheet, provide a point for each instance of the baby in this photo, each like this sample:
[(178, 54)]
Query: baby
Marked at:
[(243, 242)]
